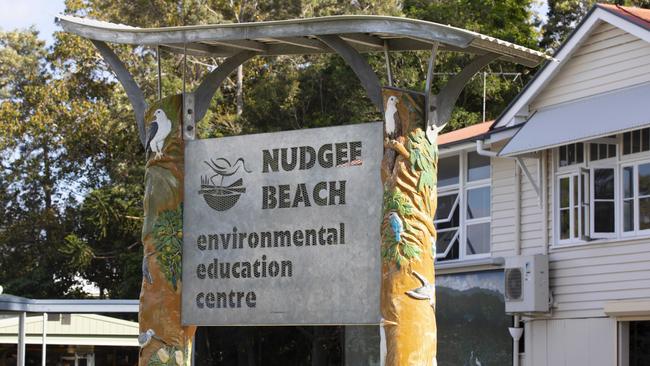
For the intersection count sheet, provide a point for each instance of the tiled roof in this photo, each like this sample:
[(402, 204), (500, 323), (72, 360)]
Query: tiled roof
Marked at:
[(637, 16), (463, 134)]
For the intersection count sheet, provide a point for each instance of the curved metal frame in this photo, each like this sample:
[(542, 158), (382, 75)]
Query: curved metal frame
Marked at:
[(359, 65), (197, 103), (205, 91), (367, 34), (132, 89)]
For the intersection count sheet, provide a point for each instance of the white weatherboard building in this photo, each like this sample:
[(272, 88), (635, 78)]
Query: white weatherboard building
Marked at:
[(67, 332), (564, 173)]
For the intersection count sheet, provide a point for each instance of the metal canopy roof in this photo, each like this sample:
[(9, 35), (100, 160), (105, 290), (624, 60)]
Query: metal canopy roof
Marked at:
[(590, 118), (20, 304), (367, 33)]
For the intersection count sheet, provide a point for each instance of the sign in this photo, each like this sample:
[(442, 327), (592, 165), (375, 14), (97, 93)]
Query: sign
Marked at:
[(283, 228)]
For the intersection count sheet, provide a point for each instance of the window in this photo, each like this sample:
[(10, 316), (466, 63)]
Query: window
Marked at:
[(568, 207), (601, 151), (636, 198), (636, 141), (573, 206), (478, 221), (603, 218), (571, 154), (463, 214), (447, 224), (606, 194), (586, 197)]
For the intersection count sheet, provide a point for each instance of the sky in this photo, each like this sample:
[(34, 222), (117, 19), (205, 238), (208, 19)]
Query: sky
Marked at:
[(24, 13)]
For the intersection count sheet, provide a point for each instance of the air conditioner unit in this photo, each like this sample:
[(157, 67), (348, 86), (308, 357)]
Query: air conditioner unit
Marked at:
[(526, 284)]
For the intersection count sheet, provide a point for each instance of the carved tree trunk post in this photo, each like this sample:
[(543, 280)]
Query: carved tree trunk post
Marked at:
[(409, 175), (163, 339)]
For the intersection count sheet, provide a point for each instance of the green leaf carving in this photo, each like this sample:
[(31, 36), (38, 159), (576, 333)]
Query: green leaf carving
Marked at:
[(168, 240), (396, 201), (399, 252), (423, 159)]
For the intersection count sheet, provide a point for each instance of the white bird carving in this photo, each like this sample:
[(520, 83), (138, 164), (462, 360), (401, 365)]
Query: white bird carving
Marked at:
[(424, 292), (433, 131), (158, 131), (393, 122)]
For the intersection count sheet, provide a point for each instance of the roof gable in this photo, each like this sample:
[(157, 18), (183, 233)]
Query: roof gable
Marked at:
[(607, 60), (638, 16), (599, 18)]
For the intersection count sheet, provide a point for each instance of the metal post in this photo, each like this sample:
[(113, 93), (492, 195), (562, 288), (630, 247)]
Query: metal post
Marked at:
[(159, 73), (44, 353), (430, 69), (387, 59), (184, 65), (484, 92), (21, 339), (430, 100)]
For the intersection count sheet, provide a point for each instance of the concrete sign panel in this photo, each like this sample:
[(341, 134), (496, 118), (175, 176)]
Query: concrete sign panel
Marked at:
[(283, 228)]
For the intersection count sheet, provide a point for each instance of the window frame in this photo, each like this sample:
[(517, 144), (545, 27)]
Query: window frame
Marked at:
[(636, 232), (461, 189), (618, 164), (592, 201), (575, 173), (455, 206)]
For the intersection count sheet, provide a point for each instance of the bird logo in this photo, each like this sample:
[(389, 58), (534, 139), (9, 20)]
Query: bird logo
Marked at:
[(218, 196), (157, 132), (396, 225), (424, 292), (392, 119)]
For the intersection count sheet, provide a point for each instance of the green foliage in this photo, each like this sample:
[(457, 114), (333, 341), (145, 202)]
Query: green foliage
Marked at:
[(77, 250), (393, 251), (71, 164), (510, 20), (400, 252), (564, 16), (394, 200), (423, 157), (67, 159), (168, 239)]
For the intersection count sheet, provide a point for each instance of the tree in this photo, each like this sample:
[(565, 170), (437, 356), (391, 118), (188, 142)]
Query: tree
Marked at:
[(59, 141), (71, 176), (36, 127), (509, 20), (564, 16)]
